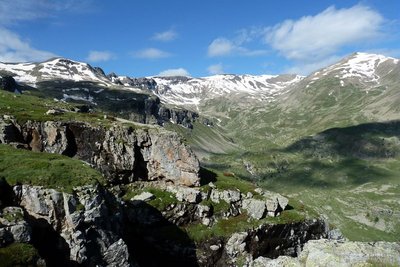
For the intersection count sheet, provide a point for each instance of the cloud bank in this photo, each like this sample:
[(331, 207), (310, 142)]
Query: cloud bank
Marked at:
[(174, 72), (312, 38)]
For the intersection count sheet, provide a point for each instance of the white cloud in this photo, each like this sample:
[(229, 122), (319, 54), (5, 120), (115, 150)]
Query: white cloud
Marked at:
[(166, 36), (320, 36), (12, 11), (174, 72), (151, 53), (221, 47), (225, 47), (216, 69), (14, 49), (97, 56)]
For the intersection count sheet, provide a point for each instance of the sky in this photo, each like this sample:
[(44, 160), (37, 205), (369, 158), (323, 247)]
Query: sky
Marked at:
[(198, 38)]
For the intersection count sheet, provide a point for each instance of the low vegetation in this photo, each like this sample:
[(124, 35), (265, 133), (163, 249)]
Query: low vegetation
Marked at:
[(43, 169), (18, 254)]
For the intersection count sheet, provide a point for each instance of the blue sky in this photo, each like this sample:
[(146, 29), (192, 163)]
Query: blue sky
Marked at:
[(198, 38)]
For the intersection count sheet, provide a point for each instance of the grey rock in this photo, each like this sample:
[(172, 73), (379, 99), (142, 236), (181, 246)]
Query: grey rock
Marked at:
[(74, 216), (54, 112), (13, 227), (214, 247), (117, 255), (236, 244), (144, 196), (255, 208), (335, 253), (229, 196), (279, 262), (190, 195), (336, 234)]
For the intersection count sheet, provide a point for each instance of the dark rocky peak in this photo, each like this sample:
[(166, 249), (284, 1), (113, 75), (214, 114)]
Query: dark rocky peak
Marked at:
[(8, 83), (112, 75), (99, 71)]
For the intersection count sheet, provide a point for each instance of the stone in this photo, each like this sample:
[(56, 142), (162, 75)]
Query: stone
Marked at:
[(255, 208), (272, 206), (214, 247), (278, 262), (144, 196), (236, 244), (13, 227), (186, 194), (203, 211), (231, 196), (91, 209), (117, 255), (54, 112), (335, 234), (338, 253)]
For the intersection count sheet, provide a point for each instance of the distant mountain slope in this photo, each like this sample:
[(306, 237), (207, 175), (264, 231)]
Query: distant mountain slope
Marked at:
[(195, 91)]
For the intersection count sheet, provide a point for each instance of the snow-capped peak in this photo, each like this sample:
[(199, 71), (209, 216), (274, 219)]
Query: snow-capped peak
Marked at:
[(53, 69), (362, 66)]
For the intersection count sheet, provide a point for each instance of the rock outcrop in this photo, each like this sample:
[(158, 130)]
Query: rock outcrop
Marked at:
[(268, 241), (122, 154), (338, 253), (85, 227)]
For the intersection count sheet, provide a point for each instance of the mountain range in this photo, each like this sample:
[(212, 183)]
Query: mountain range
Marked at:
[(330, 139)]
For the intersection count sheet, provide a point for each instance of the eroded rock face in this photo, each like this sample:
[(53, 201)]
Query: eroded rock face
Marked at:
[(122, 154), (85, 227)]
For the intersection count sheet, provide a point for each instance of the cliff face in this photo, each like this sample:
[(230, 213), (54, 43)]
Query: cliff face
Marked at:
[(92, 226), (122, 154)]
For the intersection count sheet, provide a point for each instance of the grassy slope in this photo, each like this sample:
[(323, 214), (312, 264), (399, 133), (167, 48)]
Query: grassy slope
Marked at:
[(49, 170)]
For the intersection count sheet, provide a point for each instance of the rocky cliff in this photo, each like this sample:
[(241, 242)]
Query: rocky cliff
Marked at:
[(93, 226), (122, 153)]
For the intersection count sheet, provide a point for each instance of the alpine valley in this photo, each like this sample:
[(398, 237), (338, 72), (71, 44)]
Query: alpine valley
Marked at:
[(228, 170)]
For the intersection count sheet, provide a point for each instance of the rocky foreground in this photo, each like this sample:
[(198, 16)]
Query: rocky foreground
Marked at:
[(152, 194)]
